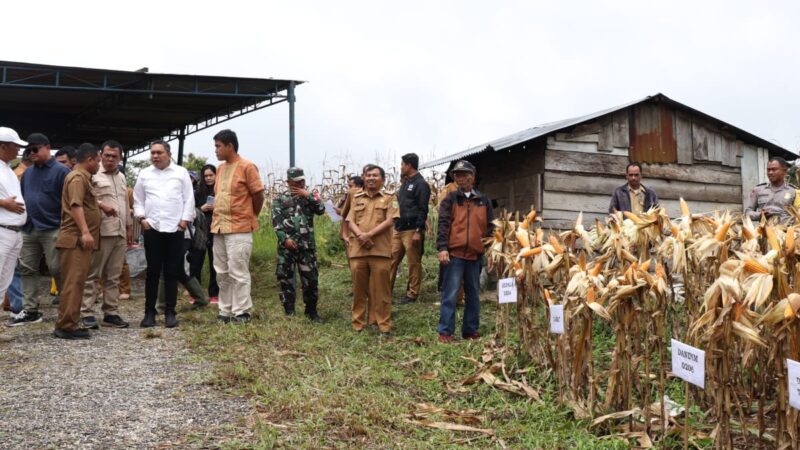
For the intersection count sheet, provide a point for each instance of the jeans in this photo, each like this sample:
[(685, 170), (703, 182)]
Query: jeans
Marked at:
[(455, 272), (15, 292)]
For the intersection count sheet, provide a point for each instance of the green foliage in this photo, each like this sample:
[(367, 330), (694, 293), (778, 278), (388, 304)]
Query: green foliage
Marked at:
[(132, 169), (196, 163)]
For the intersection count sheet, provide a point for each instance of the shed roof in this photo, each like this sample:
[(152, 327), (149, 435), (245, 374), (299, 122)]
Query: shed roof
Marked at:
[(547, 128), (72, 105)]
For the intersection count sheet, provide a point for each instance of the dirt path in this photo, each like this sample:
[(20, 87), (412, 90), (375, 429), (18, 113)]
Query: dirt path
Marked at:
[(124, 388)]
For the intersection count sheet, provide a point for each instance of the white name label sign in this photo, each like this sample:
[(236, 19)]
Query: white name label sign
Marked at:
[(557, 319), (794, 383), (689, 363), (507, 290)]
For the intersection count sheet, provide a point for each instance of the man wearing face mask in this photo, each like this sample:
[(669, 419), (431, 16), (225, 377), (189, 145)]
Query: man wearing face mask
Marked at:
[(293, 220)]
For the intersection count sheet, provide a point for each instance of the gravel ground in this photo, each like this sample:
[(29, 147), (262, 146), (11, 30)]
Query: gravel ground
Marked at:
[(124, 388)]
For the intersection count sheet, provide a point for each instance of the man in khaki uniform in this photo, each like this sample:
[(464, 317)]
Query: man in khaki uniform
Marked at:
[(370, 219), (116, 231), (77, 238)]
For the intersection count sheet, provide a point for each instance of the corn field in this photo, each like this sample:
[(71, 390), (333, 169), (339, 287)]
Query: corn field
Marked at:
[(720, 283), (333, 185)]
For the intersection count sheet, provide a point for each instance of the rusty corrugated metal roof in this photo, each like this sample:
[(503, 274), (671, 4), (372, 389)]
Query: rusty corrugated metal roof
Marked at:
[(545, 129)]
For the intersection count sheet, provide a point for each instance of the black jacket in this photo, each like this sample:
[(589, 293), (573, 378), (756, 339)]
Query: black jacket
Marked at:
[(413, 197), (621, 200)]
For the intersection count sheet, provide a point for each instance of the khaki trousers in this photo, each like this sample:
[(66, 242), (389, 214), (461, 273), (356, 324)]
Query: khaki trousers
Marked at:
[(402, 245), (125, 278), (106, 269), (75, 265), (371, 291), (232, 263)]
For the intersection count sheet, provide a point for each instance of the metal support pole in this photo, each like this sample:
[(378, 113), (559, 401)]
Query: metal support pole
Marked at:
[(291, 123), (181, 139), (124, 160)]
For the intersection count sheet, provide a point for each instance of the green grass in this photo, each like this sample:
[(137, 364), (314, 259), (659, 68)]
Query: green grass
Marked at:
[(325, 386)]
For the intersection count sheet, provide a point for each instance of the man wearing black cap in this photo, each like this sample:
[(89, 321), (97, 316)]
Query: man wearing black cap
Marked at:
[(465, 218), (41, 185), (412, 197)]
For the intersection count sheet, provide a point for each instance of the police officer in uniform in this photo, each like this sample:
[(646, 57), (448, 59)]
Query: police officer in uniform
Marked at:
[(771, 199), (293, 221)]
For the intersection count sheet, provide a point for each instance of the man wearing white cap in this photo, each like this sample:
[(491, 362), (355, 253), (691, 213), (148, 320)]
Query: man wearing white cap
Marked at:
[(12, 207)]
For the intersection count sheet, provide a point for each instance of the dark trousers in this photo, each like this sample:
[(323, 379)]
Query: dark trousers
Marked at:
[(196, 259), (164, 253)]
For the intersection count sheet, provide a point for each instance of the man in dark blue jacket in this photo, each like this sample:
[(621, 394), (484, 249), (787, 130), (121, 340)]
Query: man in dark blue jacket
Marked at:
[(633, 196), (41, 188)]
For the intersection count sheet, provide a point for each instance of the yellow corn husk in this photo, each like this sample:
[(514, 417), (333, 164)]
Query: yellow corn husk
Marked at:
[(753, 266), (539, 235), (528, 252), (598, 267), (788, 244), (772, 238), (674, 230), (660, 271), (633, 217), (498, 237), (524, 225), (645, 267), (531, 216), (792, 306), (522, 238), (685, 208), (748, 334), (590, 295), (582, 261), (557, 247), (600, 310), (723, 231), (547, 296), (747, 233)]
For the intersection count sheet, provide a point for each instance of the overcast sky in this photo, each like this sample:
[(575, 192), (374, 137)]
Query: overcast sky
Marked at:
[(436, 77)]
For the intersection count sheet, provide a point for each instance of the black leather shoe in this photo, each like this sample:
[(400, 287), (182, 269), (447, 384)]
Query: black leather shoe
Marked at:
[(404, 300), (149, 321), (90, 323), (289, 310), (170, 321), (72, 335), (314, 317)]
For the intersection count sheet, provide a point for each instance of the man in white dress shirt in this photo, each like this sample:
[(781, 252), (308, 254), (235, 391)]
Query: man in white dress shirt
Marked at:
[(163, 202), (12, 208)]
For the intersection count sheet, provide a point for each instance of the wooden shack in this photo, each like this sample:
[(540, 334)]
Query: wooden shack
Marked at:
[(573, 165)]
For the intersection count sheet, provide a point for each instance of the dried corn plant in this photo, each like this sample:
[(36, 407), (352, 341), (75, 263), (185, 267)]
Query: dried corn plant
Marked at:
[(717, 281)]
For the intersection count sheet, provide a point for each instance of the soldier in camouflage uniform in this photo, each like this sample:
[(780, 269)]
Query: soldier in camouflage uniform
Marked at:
[(293, 220), (771, 199)]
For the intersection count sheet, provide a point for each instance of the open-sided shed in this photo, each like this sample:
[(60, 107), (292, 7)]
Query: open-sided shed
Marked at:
[(573, 165)]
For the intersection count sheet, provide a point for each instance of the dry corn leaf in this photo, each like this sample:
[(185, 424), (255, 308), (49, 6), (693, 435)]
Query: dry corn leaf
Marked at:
[(450, 426), (429, 376)]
